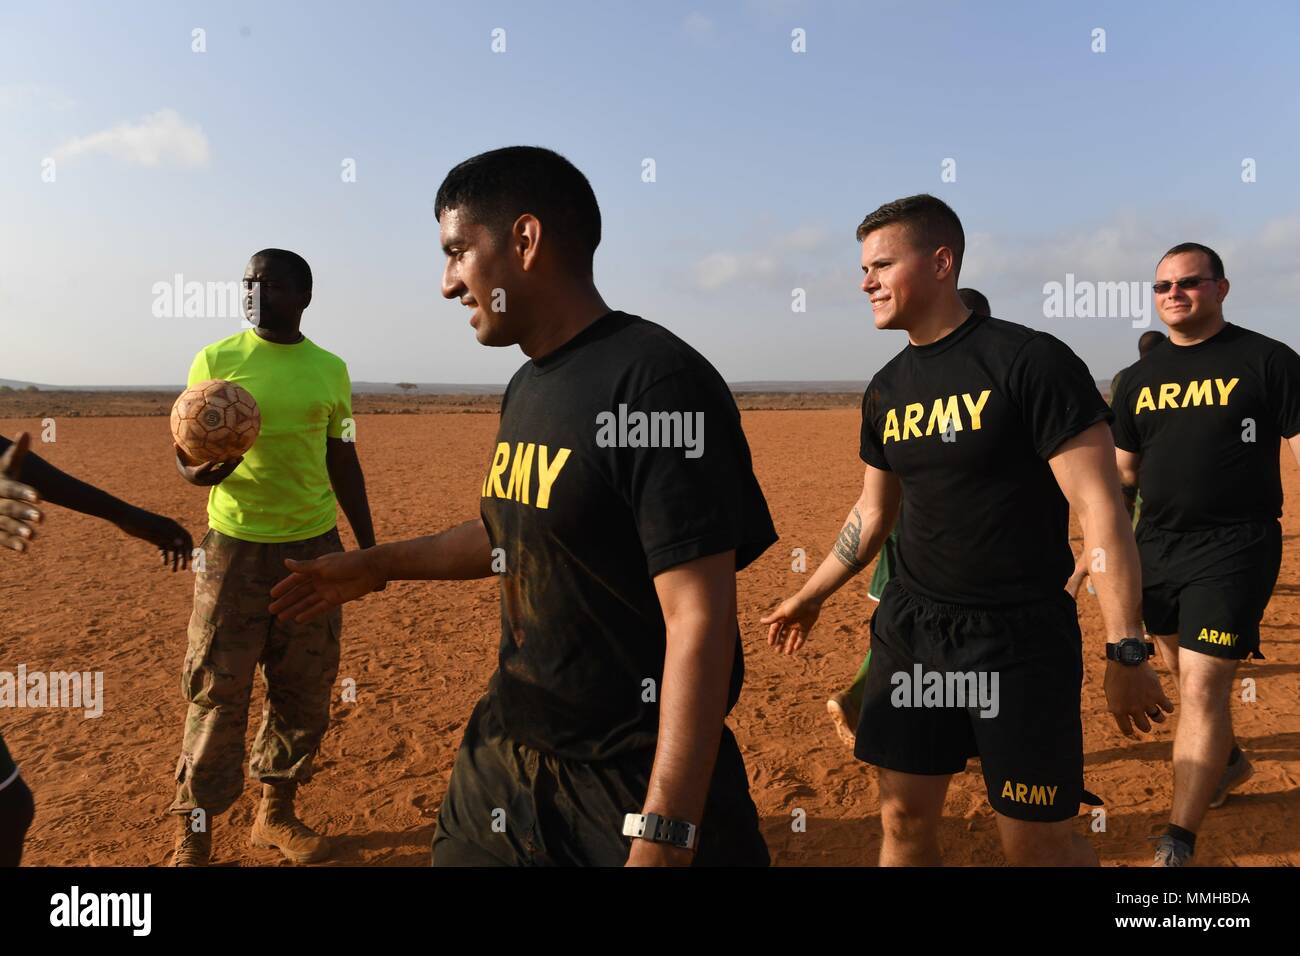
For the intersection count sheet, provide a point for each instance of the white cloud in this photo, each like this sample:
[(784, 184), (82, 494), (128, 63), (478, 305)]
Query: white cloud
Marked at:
[(161, 138), (1127, 248), (722, 268), (794, 248), (804, 239)]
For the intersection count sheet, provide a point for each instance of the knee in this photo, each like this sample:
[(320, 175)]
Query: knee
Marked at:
[(905, 823), (1055, 845), (1204, 693)]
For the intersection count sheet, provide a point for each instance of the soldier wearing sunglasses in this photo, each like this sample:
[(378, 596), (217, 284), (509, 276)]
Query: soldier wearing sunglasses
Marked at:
[(1198, 422)]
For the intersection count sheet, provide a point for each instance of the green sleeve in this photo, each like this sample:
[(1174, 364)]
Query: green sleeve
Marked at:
[(342, 404), (199, 371)]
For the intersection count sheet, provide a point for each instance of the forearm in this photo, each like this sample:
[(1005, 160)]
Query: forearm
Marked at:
[(692, 705), (859, 541), (60, 488), (1111, 557), (350, 489), (457, 554), (1129, 491)]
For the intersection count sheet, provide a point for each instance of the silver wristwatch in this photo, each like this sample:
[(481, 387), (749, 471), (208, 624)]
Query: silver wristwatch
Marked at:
[(657, 829)]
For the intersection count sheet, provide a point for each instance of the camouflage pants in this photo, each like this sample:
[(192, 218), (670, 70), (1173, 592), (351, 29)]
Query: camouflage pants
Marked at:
[(231, 634)]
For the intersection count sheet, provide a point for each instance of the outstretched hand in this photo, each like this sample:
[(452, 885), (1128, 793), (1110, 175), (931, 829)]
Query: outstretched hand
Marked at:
[(18, 516), (318, 586), (166, 535), (791, 623)]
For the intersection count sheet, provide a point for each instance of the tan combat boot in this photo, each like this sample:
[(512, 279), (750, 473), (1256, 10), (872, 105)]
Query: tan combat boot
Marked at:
[(277, 828), (192, 849)]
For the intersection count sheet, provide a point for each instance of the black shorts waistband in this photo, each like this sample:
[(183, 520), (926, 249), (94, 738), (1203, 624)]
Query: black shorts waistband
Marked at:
[(1053, 604)]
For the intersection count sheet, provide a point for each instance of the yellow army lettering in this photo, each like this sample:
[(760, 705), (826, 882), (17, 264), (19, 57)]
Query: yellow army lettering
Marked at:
[(1218, 637), (521, 471), (1023, 793), (944, 413), (1197, 393)]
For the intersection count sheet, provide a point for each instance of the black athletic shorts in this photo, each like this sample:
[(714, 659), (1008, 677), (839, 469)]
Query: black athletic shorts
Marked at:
[(510, 805), (1210, 587), (948, 683), (8, 769)]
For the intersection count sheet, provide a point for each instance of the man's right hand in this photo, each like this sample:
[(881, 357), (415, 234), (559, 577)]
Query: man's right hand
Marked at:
[(1134, 696), (18, 517), (206, 474), (322, 584), (791, 623)]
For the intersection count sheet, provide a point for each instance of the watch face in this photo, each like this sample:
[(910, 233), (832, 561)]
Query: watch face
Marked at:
[(1131, 651)]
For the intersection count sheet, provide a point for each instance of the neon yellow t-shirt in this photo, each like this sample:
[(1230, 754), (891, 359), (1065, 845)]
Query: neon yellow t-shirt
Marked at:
[(281, 491)]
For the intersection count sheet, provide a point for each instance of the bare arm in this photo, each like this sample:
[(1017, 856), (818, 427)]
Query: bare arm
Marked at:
[(859, 541), (1085, 468), (457, 554), (316, 586), (1294, 442), (349, 485), (58, 487), (1128, 464), (699, 606)]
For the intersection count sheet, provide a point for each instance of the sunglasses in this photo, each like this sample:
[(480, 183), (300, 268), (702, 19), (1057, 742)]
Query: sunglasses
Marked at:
[(1160, 288)]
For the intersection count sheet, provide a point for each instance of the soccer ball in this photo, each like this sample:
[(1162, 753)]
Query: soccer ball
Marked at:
[(215, 421)]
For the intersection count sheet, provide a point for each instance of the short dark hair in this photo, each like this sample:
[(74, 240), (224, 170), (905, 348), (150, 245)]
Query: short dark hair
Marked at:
[(1149, 340), (930, 222), (974, 300), (497, 187), (1216, 264), (294, 263)]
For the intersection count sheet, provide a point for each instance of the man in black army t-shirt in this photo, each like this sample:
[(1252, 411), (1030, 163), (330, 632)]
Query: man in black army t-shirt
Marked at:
[(990, 431), (618, 504), (1198, 424)]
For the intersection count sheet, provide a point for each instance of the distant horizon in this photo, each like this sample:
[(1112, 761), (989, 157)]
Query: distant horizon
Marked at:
[(792, 386), (824, 385)]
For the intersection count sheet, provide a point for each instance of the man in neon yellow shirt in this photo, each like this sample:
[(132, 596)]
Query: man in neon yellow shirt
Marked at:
[(275, 502)]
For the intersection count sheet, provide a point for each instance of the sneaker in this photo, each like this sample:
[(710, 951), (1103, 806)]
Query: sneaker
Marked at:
[(838, 708), (1172, 852), (1233, 777)]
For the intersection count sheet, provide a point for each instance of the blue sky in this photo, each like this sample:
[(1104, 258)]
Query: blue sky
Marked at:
[(1067, 160)]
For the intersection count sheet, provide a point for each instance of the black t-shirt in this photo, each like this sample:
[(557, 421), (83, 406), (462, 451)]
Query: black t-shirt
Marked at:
[(587, 512), (1207, 420), (968, 423)]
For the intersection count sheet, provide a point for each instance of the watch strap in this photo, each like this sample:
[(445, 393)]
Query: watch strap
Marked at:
[(1112, 649), (661, 829)]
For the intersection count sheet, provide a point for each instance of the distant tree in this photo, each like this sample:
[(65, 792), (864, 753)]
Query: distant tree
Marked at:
[(6, 389), (31, 388), (406, 386)]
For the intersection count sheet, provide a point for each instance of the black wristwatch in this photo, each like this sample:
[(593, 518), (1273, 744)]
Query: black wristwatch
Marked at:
[(1131, 651), (657, 829)]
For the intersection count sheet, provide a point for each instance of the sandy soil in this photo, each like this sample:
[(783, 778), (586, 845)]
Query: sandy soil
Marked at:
[(89, 598)]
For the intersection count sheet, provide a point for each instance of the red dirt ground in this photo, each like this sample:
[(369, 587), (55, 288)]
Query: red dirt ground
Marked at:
[(89, 598)]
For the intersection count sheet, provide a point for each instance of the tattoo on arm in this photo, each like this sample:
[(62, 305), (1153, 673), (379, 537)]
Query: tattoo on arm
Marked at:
[(847, 544), (1130, 497)]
